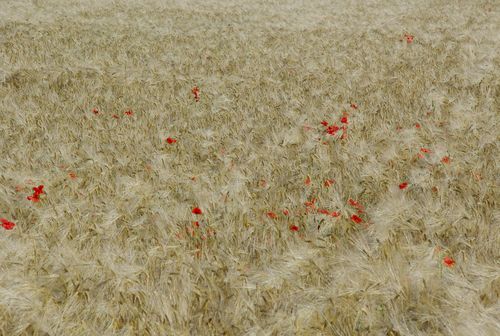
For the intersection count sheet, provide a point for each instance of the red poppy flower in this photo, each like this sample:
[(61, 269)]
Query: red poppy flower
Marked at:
[(353, 202), (403, 185), (332, 129), (197, 211), (129, 112), (115, 116), (7, 225), (324, 123), (286, 212), (294, 228), (448, 261), (445, 159), (425, 150), (196, 92), (310, 203), (329, 182), (38, 190), (308, 180), (95, 111), (72, 175), (356, 219), (354, 106), (34, 198), (335, 214), (324, 211), (344, 120), (272, 215), (171, 140), (197, 224), (417, 125)]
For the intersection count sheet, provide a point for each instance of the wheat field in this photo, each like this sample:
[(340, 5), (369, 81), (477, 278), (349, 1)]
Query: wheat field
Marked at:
[(249, 167)]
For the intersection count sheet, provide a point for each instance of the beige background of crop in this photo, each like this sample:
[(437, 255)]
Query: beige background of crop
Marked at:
[(99, 254)]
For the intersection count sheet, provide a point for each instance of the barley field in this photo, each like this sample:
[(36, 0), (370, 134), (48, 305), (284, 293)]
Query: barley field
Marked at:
[(249, 167)]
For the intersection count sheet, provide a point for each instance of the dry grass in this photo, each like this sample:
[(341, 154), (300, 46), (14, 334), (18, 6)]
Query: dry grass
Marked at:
[(113, 249)]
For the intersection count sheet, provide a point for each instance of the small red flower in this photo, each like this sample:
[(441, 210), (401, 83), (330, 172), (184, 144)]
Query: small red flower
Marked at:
[(335, 214), (445, 159), (272, 215), (34, 198), (197, 224), (115, 116), (39, 190), (310, 203), (197, 211), (171, 140), (425, 150), (324, 211), (286, 212), (409, 38), (308, 180), (356, 219), (196, 92), (294, 228), (329, 182), (417, 125), (7, 225), (72, 175), (354, 106), (324, 123), (129, 112), (332, 129), (403, 185), (95, 111), (448, 261), (353, 202), (344, 120)]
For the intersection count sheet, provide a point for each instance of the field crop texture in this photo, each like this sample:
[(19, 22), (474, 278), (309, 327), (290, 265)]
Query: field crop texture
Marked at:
[(249, 167)]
